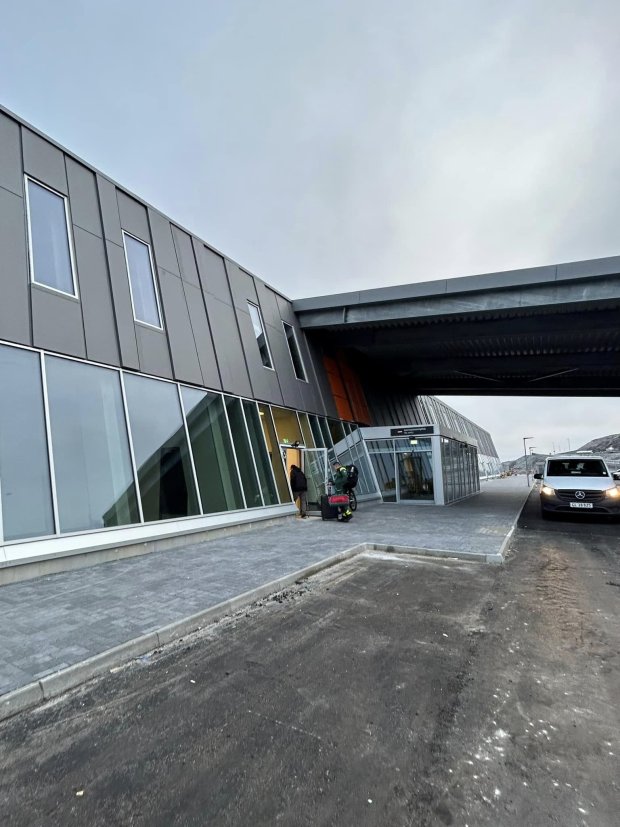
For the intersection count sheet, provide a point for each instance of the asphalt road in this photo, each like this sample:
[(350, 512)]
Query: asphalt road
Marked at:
[(386, 691)]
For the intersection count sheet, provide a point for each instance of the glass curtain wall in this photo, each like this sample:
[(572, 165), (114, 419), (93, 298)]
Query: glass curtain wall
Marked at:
[(214, 459), (25, 489), (257, 440), (165, 473), (460, 469), (243, 452), (85, 447), (273, 449), (94, 477)]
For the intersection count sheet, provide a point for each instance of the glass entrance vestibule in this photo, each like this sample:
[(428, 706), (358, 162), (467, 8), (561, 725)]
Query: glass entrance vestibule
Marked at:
[(417, 464)]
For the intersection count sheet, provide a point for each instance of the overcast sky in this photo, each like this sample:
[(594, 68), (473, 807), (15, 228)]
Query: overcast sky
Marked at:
[(331, 146)]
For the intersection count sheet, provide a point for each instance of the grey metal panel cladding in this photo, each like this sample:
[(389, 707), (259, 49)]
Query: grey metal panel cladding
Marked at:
[(228, 348), (84, 204), (185, 362), (290, 385), (121, 299), (153, 351), (57, 322), (268, 304), (264, 381), (312, 400), (10, 156), (241, 286), (202, 336), (133, 216), (327, 398), (96, 298), (109, 210), (44, 161), (285, 309), (185, 256), (163, 245), (212, 272), (14, 291)]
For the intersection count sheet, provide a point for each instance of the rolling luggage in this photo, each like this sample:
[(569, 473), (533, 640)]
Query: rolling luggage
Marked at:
[(328, 512)]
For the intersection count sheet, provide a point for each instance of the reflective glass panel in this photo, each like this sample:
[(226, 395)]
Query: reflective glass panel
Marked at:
[(317, 433), (92, 467), (293, 347), (275, 456), (326, 433), (162, 455), (218, 480), (259, 332), (336, 430), (243, 452), (415, 470), (261, 459), (287, 426), (386, 475), (49, 237), (26, 498), (308, 438), (142, 281)]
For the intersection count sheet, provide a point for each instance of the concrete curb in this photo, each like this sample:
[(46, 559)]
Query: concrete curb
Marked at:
[(428, 552), (499, 556), (51, 686)]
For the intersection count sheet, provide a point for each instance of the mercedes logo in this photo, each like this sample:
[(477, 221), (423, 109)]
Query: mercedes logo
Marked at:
[(581, 495)]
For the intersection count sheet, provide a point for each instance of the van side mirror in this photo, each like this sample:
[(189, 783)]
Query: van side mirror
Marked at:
[(616, 475), (538, 476)]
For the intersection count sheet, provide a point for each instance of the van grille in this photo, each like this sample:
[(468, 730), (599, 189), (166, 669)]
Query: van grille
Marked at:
[(590, 496)]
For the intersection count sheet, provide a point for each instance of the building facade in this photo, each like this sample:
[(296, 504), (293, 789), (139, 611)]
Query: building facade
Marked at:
[(151, 387)]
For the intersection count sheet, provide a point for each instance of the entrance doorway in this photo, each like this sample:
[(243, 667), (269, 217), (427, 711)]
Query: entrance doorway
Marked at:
[(313, 462)]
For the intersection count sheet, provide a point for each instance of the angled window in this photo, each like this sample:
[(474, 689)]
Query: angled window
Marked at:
[(261, 338), (51, 253), (144, 298), (293, 347)]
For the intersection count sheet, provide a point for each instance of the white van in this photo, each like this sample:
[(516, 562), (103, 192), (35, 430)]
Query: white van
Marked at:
[(578, 483)]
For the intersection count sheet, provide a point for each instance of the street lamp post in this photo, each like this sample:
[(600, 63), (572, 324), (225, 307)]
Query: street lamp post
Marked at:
[(527, 470)]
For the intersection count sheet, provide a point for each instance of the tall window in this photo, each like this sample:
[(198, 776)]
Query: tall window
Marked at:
[(25, 489), (51, 254), (92, 465), (293, 347), (160, 446), (213, 453), (144, 296), (261, 338)]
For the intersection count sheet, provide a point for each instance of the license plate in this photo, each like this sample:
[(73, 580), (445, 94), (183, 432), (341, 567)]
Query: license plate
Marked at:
[(581, 505)]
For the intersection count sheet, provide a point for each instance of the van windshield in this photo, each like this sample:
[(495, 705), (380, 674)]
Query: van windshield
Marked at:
[(576, 468)]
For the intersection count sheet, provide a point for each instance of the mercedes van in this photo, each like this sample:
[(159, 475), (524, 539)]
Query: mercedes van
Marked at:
[(577, 483)]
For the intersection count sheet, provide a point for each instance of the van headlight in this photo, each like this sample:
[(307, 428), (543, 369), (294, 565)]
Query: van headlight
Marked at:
[(613, 492), (547, 490)]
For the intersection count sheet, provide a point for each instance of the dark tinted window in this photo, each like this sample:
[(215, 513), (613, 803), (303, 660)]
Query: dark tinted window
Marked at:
[(576, 468)]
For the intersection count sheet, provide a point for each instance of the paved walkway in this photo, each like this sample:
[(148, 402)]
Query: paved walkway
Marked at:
[(57, 621)]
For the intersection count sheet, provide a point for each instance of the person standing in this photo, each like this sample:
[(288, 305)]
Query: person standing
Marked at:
[(340, 478), (299, 487)]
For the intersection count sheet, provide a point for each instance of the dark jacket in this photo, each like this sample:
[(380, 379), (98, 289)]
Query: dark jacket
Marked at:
[(298, 480)]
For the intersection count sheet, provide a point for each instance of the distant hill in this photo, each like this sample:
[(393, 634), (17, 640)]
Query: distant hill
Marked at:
[(603, 444), (606, 446)]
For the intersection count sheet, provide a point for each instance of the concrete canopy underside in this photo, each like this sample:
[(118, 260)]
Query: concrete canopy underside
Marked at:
[(539, 332)]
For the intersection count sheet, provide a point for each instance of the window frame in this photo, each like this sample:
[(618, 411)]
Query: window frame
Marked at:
[(126, 234), (31, 263), (264, 332), (286, 325)]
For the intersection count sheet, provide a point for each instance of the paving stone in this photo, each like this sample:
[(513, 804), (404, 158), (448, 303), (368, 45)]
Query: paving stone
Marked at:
[(62, 619)]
